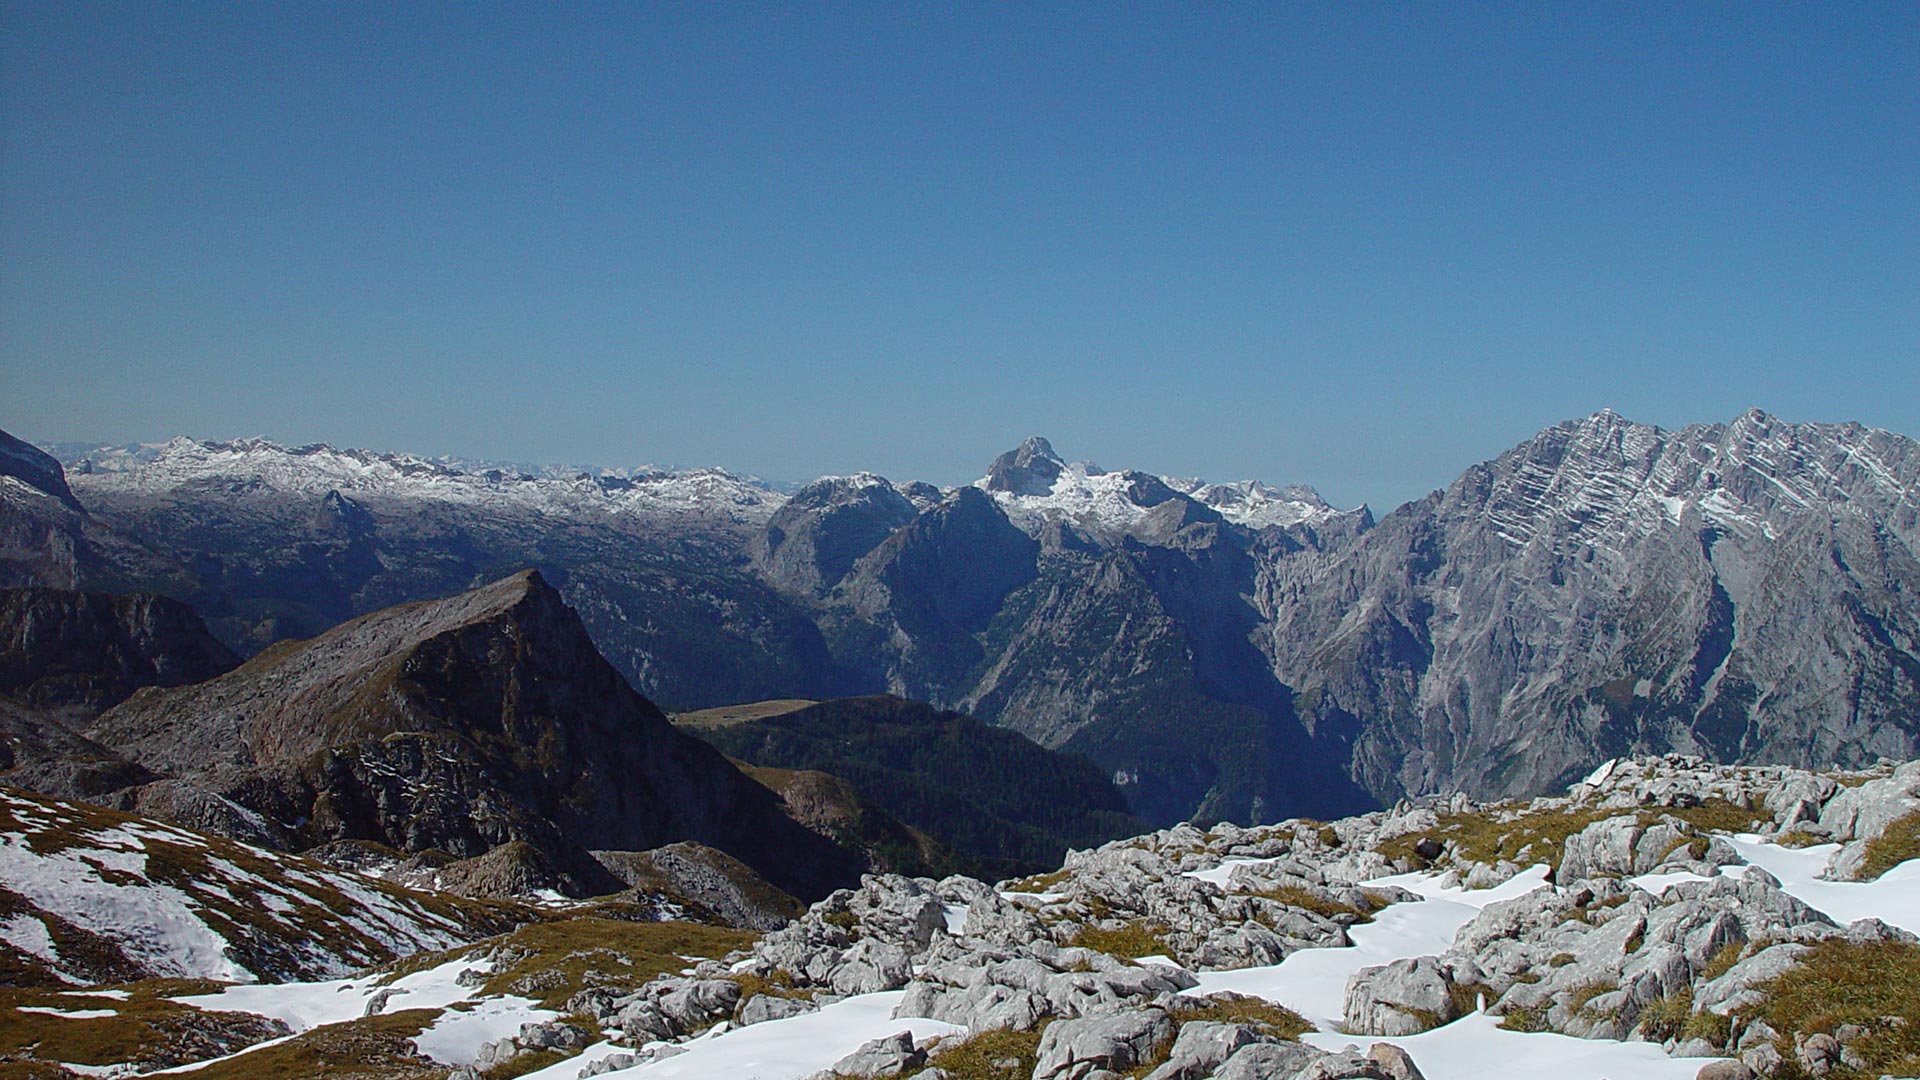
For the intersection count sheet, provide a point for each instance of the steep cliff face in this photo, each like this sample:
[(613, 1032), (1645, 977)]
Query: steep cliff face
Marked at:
[(36, 469), (77, 653), (1741, 590), (460, 725), (912, 610)]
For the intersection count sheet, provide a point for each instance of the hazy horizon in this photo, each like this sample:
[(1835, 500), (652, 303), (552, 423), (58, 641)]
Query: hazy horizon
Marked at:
[(1353, 247), (64, 447)]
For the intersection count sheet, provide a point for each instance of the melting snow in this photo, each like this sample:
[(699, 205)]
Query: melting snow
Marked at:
[(30, 936), (155, 924), (456, 1038), (795, 1047), (1313, 982), (1894, 898), (303, 1006), (70, 1014), (1477, 1048)]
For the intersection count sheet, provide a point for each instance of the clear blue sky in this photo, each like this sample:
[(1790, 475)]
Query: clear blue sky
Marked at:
[(1353, 245)]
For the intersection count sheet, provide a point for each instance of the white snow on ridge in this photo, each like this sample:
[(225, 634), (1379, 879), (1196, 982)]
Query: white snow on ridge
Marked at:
[(1894, 898), (30, 936), (250, 464), (1099, 501), (795, 1047), (1258, 505), (305, 1006), (456, 1037), (1477, 1048)]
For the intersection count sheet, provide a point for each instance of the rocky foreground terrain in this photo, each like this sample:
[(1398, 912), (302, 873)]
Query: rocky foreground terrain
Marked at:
[(1664, 918)]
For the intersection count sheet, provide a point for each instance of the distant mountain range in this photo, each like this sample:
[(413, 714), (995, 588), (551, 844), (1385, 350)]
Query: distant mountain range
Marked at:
[(1745, 591)]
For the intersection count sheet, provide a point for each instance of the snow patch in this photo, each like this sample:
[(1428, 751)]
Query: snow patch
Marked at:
[(456, 1038)]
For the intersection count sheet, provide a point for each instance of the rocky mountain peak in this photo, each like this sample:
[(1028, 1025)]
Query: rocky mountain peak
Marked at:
[(1027, 469), (462, 724), (819, 533)]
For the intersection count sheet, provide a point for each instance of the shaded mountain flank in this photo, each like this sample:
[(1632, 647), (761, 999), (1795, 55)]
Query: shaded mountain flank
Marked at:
[(76, 653), (458, 726), (1006, 804)]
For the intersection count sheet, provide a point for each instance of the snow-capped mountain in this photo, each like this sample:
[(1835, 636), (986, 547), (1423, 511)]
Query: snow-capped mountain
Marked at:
[(1743, 590), (182, 465), (1034, 485)]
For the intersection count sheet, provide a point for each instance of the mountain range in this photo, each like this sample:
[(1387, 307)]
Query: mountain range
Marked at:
[(1239, 651)]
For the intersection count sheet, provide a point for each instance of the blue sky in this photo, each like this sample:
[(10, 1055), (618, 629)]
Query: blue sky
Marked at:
[(1360, 246)]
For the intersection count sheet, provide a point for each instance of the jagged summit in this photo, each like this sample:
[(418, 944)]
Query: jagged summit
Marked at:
[(1607, 476), (1035, 485), (1028, 469)]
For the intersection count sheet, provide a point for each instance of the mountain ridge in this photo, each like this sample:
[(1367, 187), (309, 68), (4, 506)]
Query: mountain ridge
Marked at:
[(1602, 587)]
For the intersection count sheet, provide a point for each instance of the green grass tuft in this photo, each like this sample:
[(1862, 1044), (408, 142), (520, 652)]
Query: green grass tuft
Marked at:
[(989, 1055), (1900, 842)]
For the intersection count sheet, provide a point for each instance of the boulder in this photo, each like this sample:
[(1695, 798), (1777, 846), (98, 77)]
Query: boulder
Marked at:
[(1074, 1049), (890, 1055), (1201, 1047)]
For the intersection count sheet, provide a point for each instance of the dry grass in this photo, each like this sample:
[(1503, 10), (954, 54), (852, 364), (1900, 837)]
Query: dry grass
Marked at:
[(1900, 842), (1541, 836), (1477, 837), (1525, 1018), (146, 1029), (1665, 1018), (1722, 960), (1839, 982), (726, 715), (371, 1048), (990, 1055), (550, 962), (1584, 994), (1135, 939), (1275, 1020), (1294, 896), (1038, 883)]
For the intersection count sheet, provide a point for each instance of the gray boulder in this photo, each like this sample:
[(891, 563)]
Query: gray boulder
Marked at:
[(1394, 1062), (871, 966), (695, 1003), (761, 1008), (1405, 997), (1074, 1049), (1201, 1047), (891, 1055), (1267, 1061)]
